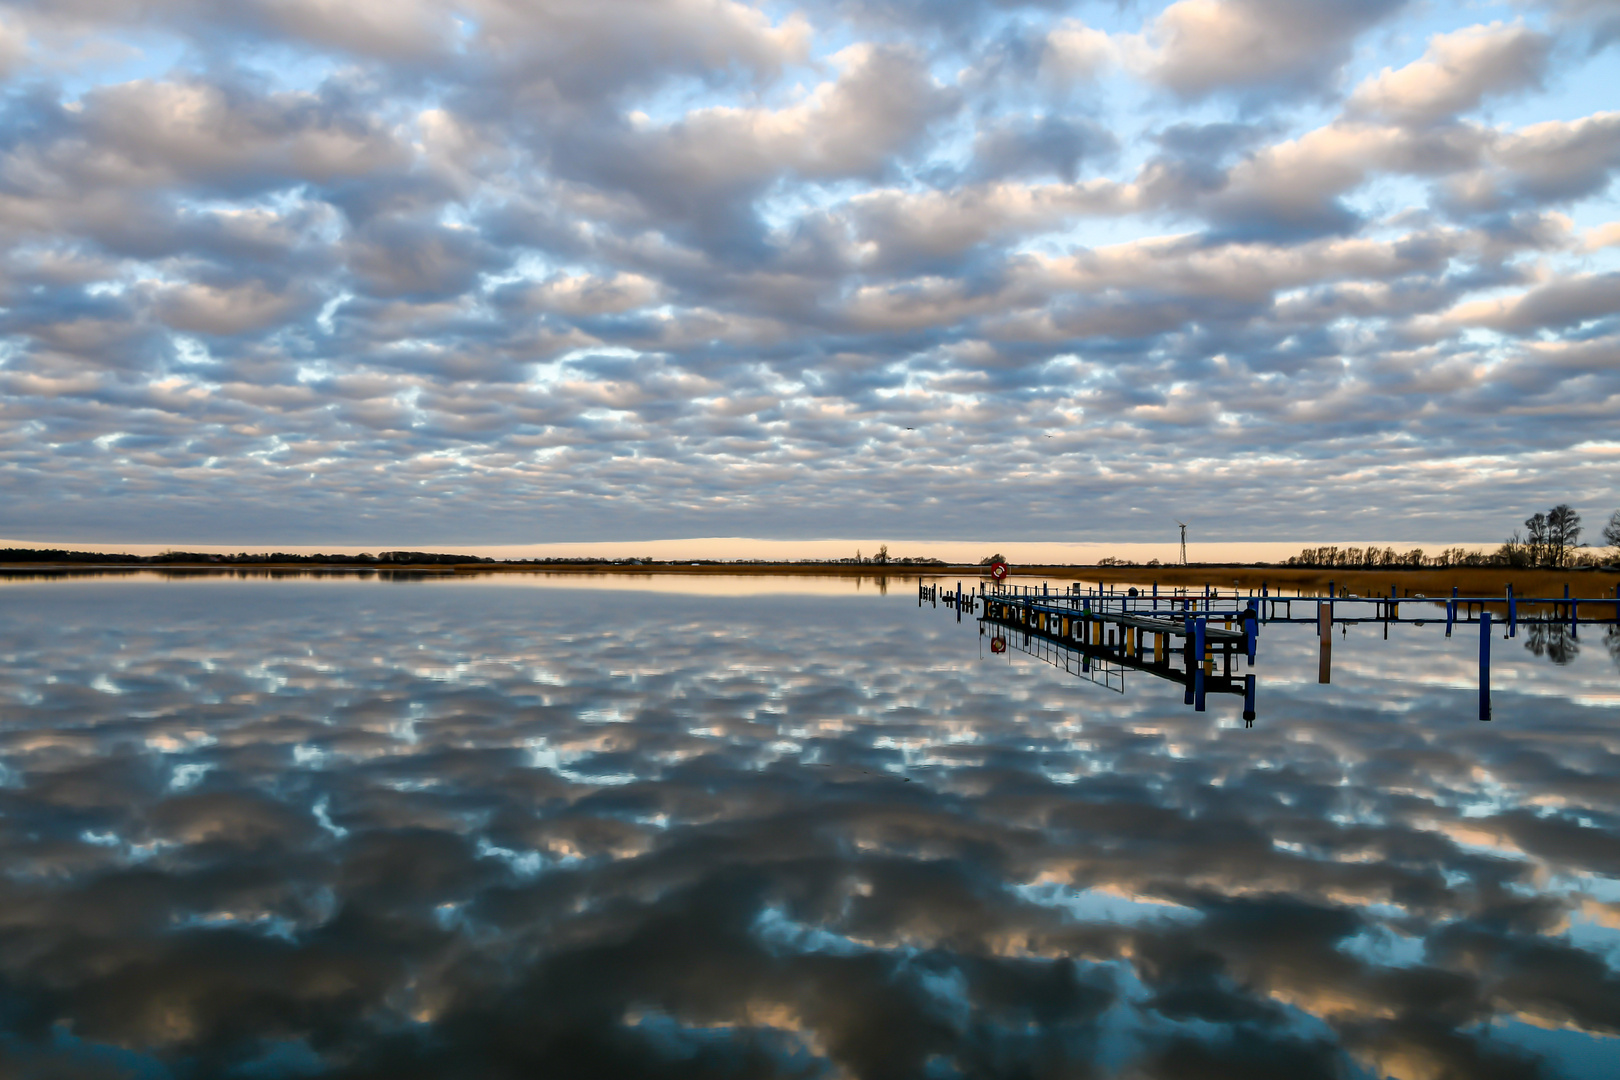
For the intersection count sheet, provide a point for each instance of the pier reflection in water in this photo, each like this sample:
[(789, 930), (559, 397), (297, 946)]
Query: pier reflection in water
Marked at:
[(357, 828)]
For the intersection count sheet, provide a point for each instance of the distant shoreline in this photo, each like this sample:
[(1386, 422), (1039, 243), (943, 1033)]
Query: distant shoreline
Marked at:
[(1470, 580)]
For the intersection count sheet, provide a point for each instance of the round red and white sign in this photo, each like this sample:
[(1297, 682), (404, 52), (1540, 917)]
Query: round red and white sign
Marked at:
[(998, 644), (998, 570)]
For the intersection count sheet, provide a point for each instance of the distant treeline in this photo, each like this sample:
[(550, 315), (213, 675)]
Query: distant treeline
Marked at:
[(401, 558), (170, 558), (1549, 539)]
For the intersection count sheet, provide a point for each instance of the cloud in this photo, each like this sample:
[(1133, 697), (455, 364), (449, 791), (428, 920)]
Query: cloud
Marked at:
[(1567, 302), (1602, 236), (1456, 73), (1195, 48), (1546, 164)]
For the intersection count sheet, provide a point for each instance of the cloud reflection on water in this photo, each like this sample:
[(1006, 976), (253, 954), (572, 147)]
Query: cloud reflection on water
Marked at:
[(286, 828)]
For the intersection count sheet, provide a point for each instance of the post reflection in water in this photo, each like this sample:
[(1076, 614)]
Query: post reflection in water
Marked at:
[(359, 828)]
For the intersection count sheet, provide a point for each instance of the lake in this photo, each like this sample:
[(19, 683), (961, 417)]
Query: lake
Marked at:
[(527, 826)]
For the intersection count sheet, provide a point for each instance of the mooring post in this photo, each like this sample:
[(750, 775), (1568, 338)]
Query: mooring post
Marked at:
[(958, 601), (1574, 621), (1617, 603), (1251, 629), (1187, 638), (1198, 679), (1484, 665), (1330, 589), (1513, 612), (1248, 701), (1451, 612)]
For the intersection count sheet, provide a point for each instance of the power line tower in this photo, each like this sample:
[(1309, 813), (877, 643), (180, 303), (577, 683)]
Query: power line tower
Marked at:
[(1183, 525)]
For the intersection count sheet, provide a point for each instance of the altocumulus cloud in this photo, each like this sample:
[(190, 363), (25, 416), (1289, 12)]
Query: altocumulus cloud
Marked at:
[(501, 271)]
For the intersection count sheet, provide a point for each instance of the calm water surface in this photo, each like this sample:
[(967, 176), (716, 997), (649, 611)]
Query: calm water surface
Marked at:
[(504, 828)]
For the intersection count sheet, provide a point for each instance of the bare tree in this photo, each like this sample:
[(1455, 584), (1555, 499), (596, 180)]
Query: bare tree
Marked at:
[(1611, 531), (1535, 539), (1563, 533), (1515, 551), (883, 555)]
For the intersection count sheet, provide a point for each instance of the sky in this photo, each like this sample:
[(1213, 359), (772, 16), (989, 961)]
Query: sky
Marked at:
[(493, 272)]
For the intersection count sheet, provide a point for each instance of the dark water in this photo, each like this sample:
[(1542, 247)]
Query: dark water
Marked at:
[(348, 828)]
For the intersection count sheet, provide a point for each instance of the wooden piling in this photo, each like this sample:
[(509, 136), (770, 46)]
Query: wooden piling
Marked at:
[(1198, 677)]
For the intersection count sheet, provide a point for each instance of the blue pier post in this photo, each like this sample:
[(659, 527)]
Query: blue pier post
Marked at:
[(1484, 665), (1248, 701), (1451, 612), (958, 601), (1187, 638), (1198, 679), (1513, 613), (1617, 603), (1574, 620), (1251, 629), (1330, 590)]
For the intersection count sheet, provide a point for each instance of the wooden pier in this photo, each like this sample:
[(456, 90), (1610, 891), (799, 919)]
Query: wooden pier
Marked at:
[(1184, 636)]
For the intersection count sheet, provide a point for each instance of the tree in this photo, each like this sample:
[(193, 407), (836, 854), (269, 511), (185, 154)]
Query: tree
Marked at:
[(883, 554), (1514, 551), (1535, 540), (1563, 532), (1611, 531), (992, 559)]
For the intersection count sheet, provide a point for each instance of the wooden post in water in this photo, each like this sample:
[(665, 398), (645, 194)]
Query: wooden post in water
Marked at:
[(1198, 679), (1251, 629), (1484, 665), (1187, 639), (1324, 632)]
